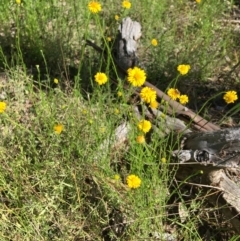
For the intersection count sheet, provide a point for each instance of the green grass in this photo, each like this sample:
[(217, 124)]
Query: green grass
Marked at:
[(62, 186)]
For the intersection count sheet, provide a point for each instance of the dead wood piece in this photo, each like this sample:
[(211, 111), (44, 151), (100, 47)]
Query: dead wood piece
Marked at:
[(115, 141), (231, 194), (178, 109), (130, 32), (228, 214), (125, 45), (227, 198), (163, 124), (215, 140), (231, 191), (220, 148)]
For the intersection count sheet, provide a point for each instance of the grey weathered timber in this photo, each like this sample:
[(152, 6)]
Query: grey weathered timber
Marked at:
[(125, 45), (162, 124), (219, 148)]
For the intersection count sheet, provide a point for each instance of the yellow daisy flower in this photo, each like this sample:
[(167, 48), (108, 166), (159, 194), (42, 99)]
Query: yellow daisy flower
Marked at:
[(126, 4), (101, 78), (116, 177), (136, 76), (94, 7), (154, 104), (198, 1), (55, 81), (84, 111), (116, 111), (102, 129), (183, 99), (144, 126), (183, 68), (173, 93), (119, 93), (148, 94), (18, 2), (58, 128), (116, 17), (141, 139), (163, 116), (163, 160), (154, 42), (3, 106), (109, 39), (230, 96), (133, 181)]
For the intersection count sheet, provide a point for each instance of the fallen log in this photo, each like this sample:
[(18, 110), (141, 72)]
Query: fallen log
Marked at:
[(219, 148)]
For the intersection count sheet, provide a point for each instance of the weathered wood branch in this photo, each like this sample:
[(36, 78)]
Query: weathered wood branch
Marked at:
[(220, 148), (177, 109)]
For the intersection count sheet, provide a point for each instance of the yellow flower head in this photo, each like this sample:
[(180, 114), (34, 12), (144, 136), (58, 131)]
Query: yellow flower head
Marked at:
[(163, 116), (116, 177), (154, 104), (55, 81), (102, 129), (18, 2), (140, 139), (198, 1), (163, 160), (173, 93), (154, 42), (3, 106), (144, 126), (101, 78), (230, 96), (183, 99), (133, 181), (116, 17), (116, 111), (119, 93), (109, 39), (126, 4), (148, 94), (94, 7), (84, 111), (136, 76), (183, 68), (58, 128)]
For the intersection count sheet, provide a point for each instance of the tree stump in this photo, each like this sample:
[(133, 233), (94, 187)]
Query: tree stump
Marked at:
[(125, 45)]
